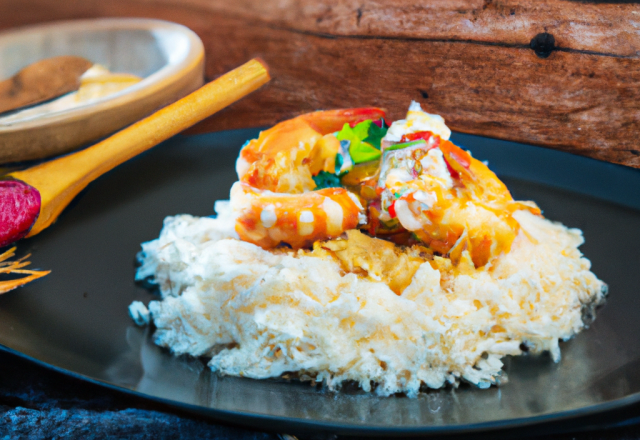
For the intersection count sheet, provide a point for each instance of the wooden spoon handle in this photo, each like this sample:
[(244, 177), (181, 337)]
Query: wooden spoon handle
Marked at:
[(60, 180)]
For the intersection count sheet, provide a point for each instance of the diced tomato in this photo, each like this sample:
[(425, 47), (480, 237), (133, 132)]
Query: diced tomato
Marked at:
[(457, 160), (418, 135), (456, 153), (454, 173), (392, 210)]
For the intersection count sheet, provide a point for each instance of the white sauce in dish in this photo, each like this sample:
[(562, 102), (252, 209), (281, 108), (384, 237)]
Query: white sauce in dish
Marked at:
[(96, 83), (417, 120)]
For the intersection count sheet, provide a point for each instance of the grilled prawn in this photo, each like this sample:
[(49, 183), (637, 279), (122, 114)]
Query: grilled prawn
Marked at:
[(406, 182), (275, 199)]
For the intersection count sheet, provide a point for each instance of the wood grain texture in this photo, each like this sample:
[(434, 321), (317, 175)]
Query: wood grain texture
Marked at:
[(469, 60)]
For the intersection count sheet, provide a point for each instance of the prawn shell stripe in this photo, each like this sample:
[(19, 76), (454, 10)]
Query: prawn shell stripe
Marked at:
[(269, 219)]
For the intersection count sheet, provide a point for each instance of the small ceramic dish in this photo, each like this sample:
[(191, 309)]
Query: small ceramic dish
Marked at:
[(168, 57)]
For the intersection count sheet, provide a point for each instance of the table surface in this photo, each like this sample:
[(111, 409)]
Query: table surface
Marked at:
[(36, 402)]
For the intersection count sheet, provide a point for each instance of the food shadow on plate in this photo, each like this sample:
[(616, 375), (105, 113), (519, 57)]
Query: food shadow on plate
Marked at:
[(152, 370)]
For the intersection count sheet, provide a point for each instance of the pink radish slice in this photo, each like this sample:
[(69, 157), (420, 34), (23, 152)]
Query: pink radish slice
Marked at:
[(19, 210)]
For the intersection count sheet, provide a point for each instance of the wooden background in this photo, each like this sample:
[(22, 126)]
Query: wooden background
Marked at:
[(469, 60)]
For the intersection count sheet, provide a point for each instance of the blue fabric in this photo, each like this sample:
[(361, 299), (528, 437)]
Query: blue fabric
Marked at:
[(36, 403)]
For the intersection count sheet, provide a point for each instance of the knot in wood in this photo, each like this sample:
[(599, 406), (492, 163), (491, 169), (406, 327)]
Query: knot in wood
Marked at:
[(543, 44)]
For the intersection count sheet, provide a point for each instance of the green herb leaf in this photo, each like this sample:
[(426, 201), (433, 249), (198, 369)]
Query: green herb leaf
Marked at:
[(363, 152), (347, 134), (375, 134), (362, 129), (405, 145), (326, 180), (359, 150)]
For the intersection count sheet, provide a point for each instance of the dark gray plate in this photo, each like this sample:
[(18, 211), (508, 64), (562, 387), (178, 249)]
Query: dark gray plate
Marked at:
[(76, 318)]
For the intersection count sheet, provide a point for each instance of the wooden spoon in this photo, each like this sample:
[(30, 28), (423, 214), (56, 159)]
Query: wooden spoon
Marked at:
[(41, 81), (60, 180)]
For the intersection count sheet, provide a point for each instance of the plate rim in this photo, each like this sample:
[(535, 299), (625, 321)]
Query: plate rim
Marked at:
[(272, 423)]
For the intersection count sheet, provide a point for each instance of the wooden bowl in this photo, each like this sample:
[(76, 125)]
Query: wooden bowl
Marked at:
[(169, 57)]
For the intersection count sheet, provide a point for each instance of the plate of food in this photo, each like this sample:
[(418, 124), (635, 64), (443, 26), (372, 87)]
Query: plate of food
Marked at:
[(356, 275)]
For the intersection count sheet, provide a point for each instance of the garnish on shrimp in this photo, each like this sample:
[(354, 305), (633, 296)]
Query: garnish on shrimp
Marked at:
[(416, 186)]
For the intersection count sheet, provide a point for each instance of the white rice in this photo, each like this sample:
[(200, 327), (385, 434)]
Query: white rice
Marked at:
[(260, 314)]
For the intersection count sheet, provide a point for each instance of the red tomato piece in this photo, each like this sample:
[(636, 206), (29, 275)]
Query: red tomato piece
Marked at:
[(392, 210), (418, 135)]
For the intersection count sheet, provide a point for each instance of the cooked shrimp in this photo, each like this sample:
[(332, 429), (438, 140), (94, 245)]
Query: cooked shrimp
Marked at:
[(449, 200), (424, 188), (274, 200), (268, 219), (285, 157)]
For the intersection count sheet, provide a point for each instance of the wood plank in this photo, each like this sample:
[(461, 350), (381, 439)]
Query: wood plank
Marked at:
[(603, 27), (468, 60)]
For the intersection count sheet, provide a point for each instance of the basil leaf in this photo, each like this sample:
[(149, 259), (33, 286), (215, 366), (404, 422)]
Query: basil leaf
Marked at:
[(363, 152), (361, 130), (376, 134), (326, 180), (346, 134), (360, 150)]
